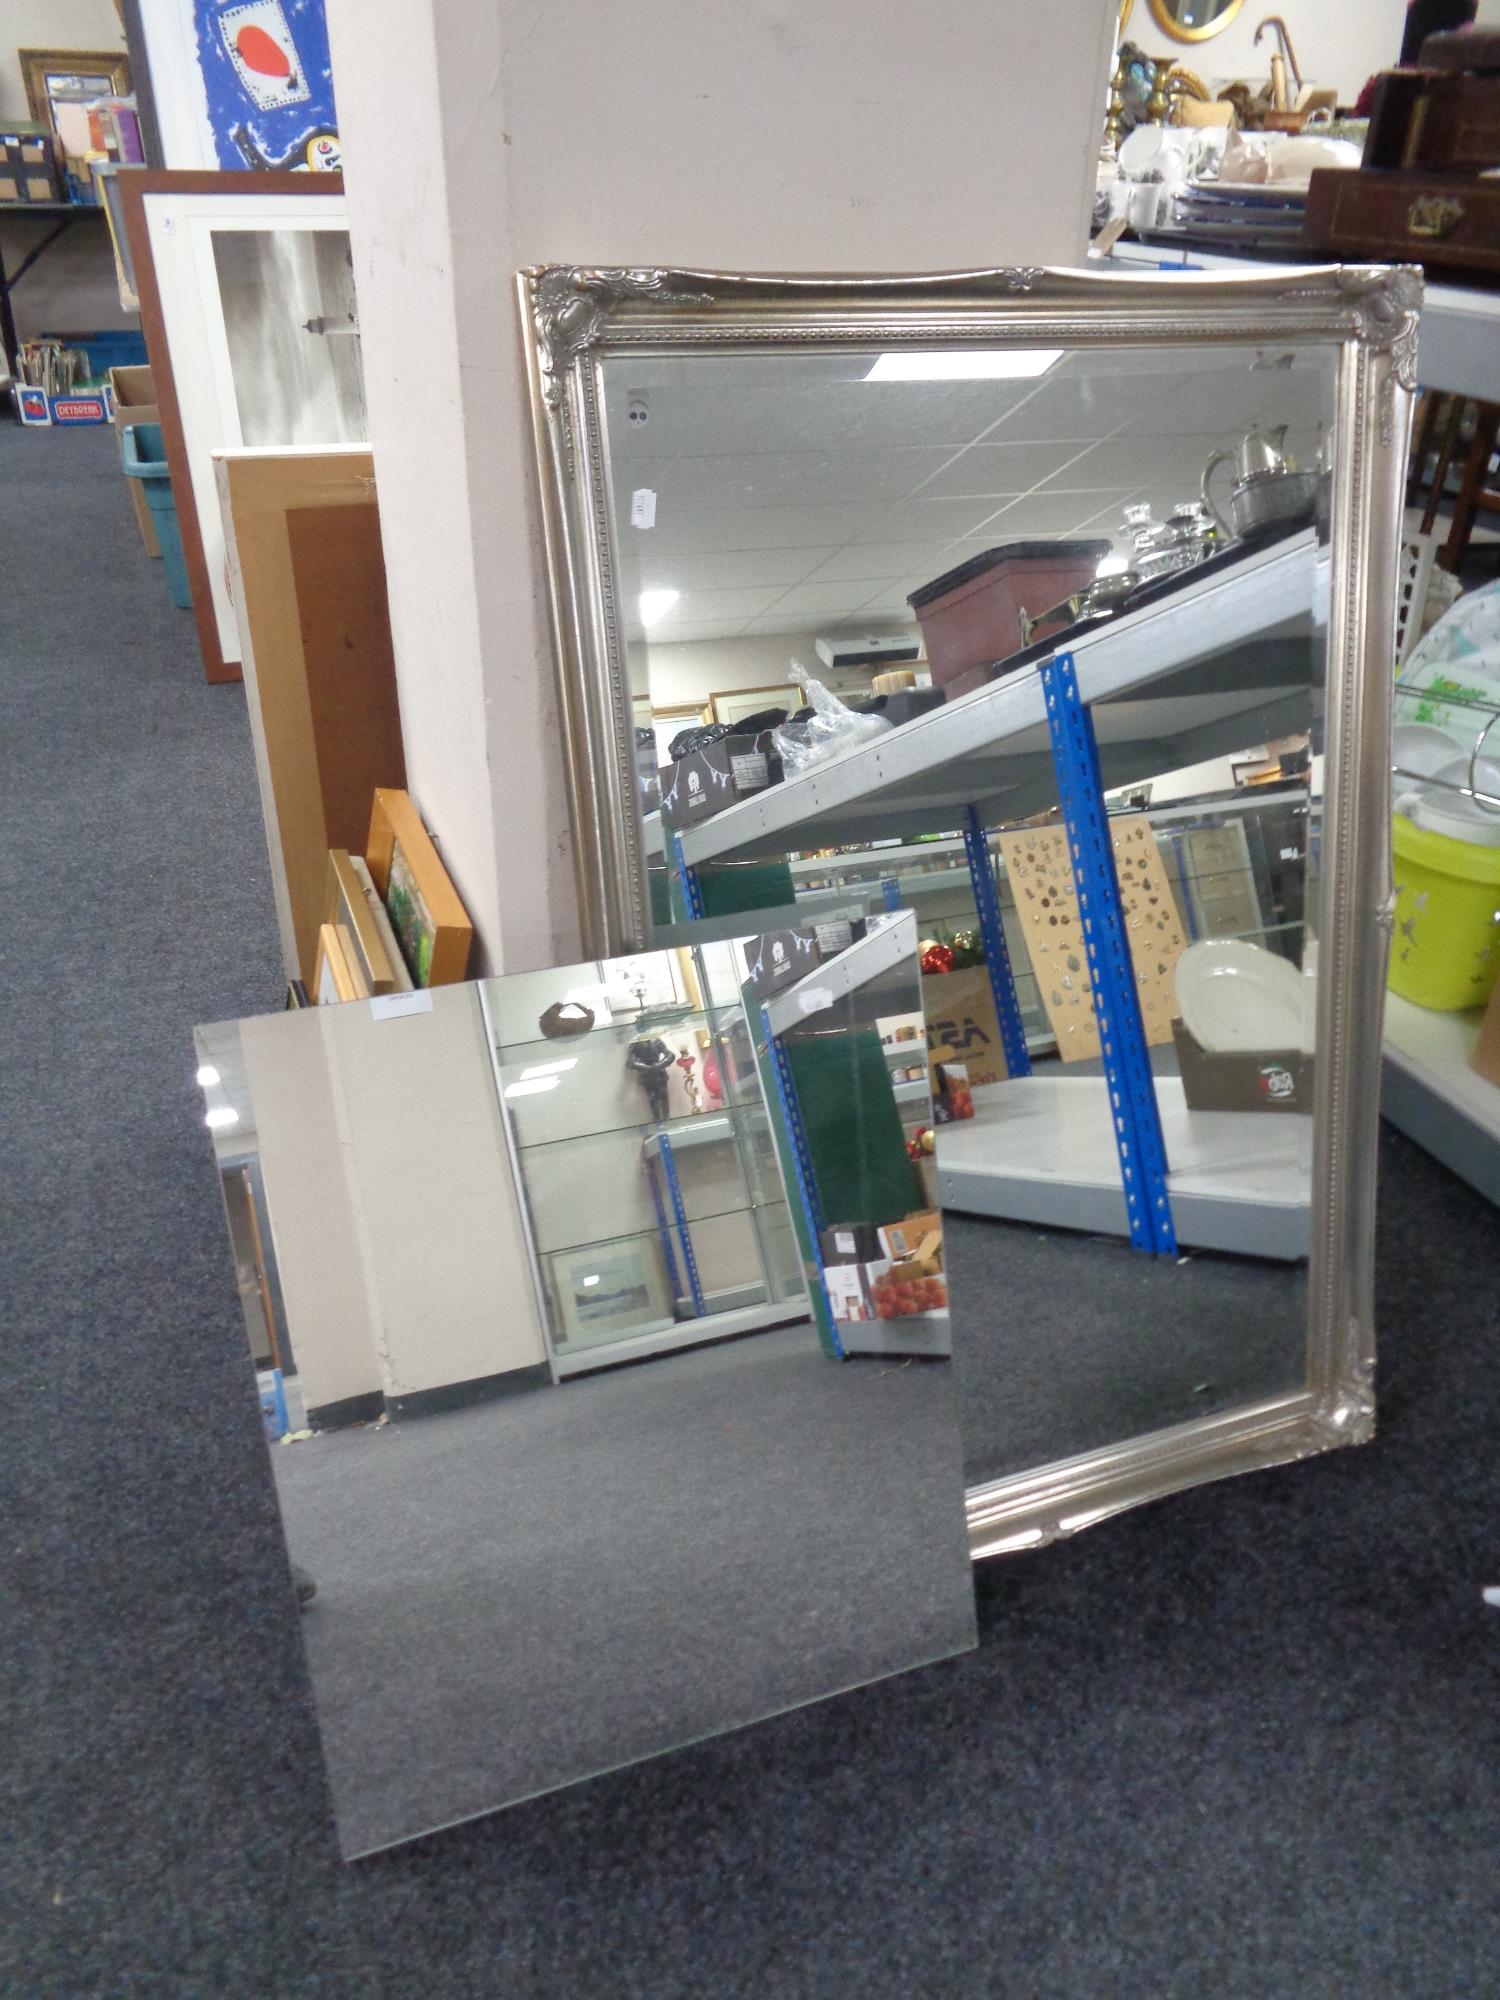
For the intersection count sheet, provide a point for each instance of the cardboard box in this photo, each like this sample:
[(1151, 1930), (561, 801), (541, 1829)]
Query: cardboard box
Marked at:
[(82, 406), (848, 1296), (962, 1021), (911, 1233), (1255, 1080), (851, 1243), (778, 959), (952, 1095), (708, 782), (28, 168), (135, 403), (900, 1291)]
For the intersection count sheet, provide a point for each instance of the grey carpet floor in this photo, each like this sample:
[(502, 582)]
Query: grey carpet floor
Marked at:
[(519, 1595), (1243, 1743), (1066, 1343)]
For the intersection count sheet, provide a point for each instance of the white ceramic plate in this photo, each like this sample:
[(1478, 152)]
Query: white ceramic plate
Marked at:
[(1236, 997)]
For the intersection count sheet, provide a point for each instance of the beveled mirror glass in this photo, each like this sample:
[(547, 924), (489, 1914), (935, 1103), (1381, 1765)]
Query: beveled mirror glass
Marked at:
[(1136, 542), (574, 1462)]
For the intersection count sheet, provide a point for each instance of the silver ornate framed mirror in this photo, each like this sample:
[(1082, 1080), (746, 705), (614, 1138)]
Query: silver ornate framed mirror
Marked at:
[(1144, 537)]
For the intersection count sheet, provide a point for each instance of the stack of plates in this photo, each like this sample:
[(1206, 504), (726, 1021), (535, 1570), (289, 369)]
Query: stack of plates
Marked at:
[(1242, 210)]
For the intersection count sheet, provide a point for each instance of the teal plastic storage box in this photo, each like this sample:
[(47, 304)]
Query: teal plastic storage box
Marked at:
[(145, 458)]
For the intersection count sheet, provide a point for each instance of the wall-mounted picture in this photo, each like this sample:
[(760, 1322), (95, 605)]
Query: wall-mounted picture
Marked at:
[(431, 924), (649, 979), (267, 84)]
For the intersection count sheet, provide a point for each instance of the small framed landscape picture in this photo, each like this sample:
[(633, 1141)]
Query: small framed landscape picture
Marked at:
[(426, 914), (608, 1291)]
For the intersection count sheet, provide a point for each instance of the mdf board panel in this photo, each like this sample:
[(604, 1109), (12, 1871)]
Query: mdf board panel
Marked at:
[(338, 575), (319, 675)]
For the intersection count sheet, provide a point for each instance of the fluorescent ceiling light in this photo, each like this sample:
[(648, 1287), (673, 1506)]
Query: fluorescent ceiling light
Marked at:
[(655, 604), (207, 1077), (591, 1281), (551, 1068), (221, 1116), (974, 364), (530, 1086)]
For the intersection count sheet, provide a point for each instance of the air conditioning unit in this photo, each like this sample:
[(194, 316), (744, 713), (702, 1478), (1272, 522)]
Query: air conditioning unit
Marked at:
[(890, 649)]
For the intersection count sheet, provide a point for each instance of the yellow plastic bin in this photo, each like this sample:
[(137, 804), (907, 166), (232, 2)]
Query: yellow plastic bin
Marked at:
[(1445, 953)]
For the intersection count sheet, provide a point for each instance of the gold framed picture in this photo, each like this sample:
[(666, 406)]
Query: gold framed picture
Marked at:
[(62, 83), (351, 905), (426, 912), (336, 977)]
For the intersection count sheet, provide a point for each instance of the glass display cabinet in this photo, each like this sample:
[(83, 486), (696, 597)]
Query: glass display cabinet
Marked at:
[(655, 1209)]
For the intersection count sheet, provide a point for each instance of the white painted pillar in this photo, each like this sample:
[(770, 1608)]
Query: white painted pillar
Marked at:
[(483, 135)]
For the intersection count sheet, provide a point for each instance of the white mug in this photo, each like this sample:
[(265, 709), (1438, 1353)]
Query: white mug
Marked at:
[(1145, 205)]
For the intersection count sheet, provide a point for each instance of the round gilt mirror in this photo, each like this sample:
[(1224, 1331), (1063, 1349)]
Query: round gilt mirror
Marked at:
[(1193, 20)]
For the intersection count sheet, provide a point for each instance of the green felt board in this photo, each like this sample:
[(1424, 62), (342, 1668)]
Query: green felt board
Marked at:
[(730, 887), (854, 1135)]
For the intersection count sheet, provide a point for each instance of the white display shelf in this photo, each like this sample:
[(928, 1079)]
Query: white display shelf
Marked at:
[(1429, 1092), (1041, 1149), (681, 1333), (709, 1128), (1222, 662), (880, 950)]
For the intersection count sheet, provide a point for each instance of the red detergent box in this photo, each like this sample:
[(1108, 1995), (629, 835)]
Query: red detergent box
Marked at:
[(83, 406)]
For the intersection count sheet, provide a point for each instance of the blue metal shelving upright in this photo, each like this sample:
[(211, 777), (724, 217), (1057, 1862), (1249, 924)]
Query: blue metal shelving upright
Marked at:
[(1122, 1036)]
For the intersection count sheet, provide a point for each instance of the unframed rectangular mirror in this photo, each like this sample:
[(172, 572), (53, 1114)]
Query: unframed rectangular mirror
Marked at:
[(565, 1432)]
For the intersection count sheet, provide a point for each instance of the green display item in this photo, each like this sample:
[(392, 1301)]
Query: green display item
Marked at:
[(854, 1135), (728, 887)]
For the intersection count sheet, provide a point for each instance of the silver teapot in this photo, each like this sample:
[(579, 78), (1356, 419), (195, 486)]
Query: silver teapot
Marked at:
[(1268, 488)]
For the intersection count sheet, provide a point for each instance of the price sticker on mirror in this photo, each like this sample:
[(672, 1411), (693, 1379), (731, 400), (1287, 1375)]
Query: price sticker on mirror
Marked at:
[(643, 508), (392, 1006)]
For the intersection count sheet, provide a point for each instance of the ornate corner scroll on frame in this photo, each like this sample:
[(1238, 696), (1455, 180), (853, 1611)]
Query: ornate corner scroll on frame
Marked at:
[(1382, 308)]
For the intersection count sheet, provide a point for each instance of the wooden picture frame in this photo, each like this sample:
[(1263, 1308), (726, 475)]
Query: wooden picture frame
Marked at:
[(135, 189), (336, 977), (426, 911), (37, 65), (356, 911)]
